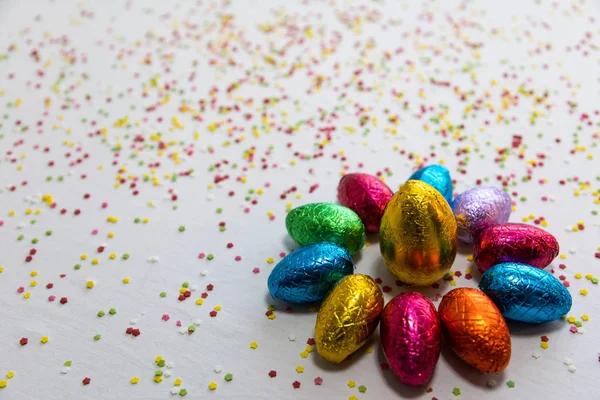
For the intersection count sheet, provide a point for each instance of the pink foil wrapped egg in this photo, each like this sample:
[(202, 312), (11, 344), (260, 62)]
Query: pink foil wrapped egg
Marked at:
[(366, 195), (514, 242), (411, 337)]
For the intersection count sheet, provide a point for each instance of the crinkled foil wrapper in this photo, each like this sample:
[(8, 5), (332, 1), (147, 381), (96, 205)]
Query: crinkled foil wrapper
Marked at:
[(479, 208), (348, 317), (524, 293), (326, 222), (366, 195), (475, 329), (417, 238), (308, 273), (437, 176), (513, 242), (411, 337)]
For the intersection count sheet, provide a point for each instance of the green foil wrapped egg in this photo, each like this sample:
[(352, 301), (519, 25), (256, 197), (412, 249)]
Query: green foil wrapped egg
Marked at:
[(326, 222)]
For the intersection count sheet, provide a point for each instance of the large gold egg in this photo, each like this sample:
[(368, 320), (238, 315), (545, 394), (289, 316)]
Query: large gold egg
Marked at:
[(418, 234), (348, 317)]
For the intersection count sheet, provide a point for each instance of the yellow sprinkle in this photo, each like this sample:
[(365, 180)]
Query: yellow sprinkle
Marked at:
[(110, 235), (217, 308), (212, 386), (299, 369), (3, 383), (589, 277), (270, 260), (253, 345), (562, 256), (309, 349), (89, 284), (452, 282), (112, 256), (33, 273), (27, 295), (83, 256), (369, 350), (353, 397), (126, 280), (33, 283), (145, 220), (574, 228), (531, 217), (182, 290), (134, 380), (304, 354), (44, 339), (11, 213), (10, 374), (470, 258), (177, 382), (585, 317), (571, 319), (95, 261), (351, 384), (271, 316), (578, 276), (544, 345), (583, 292), (158, 379), (28, 211), (524, 219), (38, 212), (199, 301), (544, 223), (1, 269)]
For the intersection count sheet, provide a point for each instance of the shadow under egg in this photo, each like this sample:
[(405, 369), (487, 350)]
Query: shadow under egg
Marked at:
[(473, 375)]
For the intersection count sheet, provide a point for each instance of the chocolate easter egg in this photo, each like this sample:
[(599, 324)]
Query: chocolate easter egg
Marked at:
[(417, 237), (524, 293), (475, 329), (411, 337), (479, 208), (347, 317), (326, 222), (366, 195), (306, 274), (514, 242), (437, 176)]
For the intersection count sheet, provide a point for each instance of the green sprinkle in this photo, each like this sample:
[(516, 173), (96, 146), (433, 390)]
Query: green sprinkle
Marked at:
[(77, 267), (595, 281), (163, 294), (228, 377), (523, 198), (20, 237), (222, 228), (181, 228), (578, 324), (210, 256), (33, 222), (97, 337), (161, 363), (362, 388), (594, 212), (100, 314), (68, 363), (271, 307), (456, 391), (158, 372), (182, 392), (510, 384), (137, 220), (48, 233), (112, 311), (191, 328), (125, 256), (219, 210), (34, 240), (185, 284)]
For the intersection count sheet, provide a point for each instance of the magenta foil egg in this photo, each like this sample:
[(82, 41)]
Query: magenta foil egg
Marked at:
[(411, 337), (367, 196), (479, 208)]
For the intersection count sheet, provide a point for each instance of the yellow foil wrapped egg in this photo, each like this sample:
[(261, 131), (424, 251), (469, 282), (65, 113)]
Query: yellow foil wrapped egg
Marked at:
[(348, 317), (418, 234)]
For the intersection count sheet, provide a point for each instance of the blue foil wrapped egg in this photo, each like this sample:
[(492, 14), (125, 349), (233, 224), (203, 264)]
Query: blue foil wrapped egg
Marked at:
[(525, 293), (437, 176), (307, 273)]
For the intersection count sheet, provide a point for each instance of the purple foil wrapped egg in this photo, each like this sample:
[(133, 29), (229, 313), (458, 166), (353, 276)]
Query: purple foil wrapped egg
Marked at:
[(367, 196), (411, 337), (513, 242), (479, 208)]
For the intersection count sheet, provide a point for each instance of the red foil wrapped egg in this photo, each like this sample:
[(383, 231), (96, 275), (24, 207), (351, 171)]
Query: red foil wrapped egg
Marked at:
[(411, 337), (366, 195), (514, 242)]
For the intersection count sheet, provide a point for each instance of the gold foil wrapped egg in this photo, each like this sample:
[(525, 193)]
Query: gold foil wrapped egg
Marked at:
[(418, 234), (475, 329), (348, 317)]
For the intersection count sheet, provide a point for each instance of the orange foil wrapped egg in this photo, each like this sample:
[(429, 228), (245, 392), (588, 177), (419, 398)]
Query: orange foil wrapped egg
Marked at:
[(475, 329)]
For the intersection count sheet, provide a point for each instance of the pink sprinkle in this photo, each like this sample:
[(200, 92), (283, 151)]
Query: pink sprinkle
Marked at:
[(271, 218), (238, 258), (95, 232), (282, 254), (256, 270), (1, 222), (201, 256), (573, 329), (318, 381), (51, 298), (166, 317), (247, 210), (178, 323), (104, 204), (566, 284), (21, 289)]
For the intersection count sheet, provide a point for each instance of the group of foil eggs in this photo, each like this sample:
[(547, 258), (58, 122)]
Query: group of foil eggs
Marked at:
[(419, 228)]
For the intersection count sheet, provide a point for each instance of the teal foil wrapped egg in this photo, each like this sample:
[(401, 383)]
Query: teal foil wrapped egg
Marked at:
[(306, 274), (437, 176), (326, 222), (524, 293)]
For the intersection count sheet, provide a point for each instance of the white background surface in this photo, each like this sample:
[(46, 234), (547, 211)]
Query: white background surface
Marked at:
[(421, 29)]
